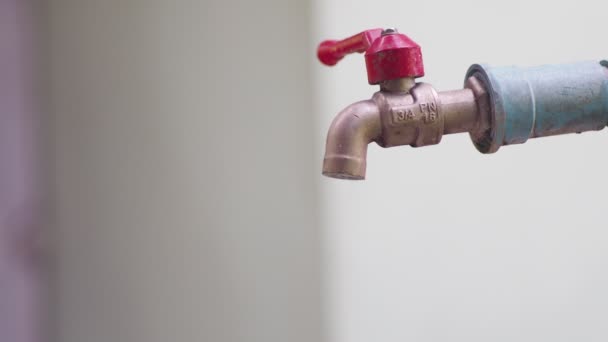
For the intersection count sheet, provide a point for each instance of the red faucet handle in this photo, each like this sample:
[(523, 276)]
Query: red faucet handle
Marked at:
[(388, 54), (331, 52)]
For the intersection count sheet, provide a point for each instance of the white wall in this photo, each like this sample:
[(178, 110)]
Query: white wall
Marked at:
[(183, 186), (443, 243)]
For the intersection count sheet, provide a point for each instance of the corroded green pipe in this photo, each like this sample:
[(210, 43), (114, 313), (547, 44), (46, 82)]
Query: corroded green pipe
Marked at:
[(541, 101)]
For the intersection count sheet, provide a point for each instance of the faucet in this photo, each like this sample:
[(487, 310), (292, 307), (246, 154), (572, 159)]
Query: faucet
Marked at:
[(497, 105)]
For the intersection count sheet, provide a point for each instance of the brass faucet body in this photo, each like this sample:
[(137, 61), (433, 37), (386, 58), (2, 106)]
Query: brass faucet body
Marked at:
[(402, 113)]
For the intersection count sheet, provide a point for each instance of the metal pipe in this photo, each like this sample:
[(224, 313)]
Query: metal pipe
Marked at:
[(459, 109), (542, 101)]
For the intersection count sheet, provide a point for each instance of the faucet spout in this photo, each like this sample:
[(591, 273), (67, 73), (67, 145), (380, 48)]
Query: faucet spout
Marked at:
[(351, 131)]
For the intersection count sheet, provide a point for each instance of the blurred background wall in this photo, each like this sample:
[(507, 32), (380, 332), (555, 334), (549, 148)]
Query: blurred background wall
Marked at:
[(183, 185), (443, 243)]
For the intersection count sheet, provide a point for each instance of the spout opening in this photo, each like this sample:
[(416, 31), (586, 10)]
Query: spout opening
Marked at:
[(344, 167), (342, 175)]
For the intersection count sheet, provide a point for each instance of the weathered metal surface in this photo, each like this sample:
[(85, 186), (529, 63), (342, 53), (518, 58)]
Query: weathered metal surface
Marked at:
[(393, 56), (542, 101)]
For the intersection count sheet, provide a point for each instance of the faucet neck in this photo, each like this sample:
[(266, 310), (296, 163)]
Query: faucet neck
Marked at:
[(399, 85)]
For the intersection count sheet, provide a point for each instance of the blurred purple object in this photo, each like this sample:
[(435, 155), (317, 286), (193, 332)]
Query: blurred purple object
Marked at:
[(18, 271)]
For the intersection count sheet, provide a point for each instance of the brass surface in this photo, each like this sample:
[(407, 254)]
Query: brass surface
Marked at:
[(402, 113), (412, 119), (349, 134)]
